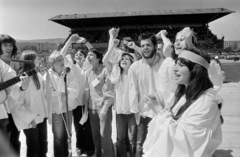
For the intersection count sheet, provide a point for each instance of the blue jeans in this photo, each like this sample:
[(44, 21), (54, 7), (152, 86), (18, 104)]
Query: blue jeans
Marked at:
[(36, 140), (102, 133), (126, 122), (60, 137), (141, 134)]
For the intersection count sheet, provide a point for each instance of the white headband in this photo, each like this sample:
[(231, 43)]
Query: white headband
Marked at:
[(194, 58)]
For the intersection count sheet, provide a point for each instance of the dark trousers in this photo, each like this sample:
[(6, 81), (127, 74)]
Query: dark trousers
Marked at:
[(84, 140), (102, 133), (36, 140), (141, 134), (60, 136), (5, 149), (14, 137), (126, 122)]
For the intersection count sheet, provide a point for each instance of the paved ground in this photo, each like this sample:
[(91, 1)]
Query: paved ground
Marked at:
[(230, 146)]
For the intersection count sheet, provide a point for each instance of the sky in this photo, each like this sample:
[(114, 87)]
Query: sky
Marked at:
[(29, 19)]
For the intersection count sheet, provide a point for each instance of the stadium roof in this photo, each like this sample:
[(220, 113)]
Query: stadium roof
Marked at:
[(141, 18)]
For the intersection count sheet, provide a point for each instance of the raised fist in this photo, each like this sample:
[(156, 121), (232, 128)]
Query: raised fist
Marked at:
[(162, 32), (114, 32), (81, 40), (131, 45), (74, 38), (116, 41)]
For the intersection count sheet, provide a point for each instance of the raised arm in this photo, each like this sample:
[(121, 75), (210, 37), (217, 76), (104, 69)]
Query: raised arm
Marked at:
[(113, 33), (106, 57), (167, 44), (132, 45), (82, 40), (72, 39)]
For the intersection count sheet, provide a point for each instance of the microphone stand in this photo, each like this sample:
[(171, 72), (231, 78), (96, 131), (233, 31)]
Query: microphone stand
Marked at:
[(68, 119)]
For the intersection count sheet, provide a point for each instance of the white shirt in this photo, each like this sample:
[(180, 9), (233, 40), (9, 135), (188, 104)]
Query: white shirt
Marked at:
[(32, 104), (80, 75), (58, 86), (143, 80), (121, 89), (6, 73), (197, 133)]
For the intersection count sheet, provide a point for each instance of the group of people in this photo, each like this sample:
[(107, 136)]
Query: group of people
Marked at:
[(164, 95)]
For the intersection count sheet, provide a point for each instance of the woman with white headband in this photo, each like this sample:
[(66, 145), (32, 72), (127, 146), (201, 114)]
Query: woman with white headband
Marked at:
[(185, 40), (192, 126)]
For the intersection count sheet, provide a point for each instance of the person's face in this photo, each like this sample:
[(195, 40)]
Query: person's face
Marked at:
[(79, 57), (37, 61), (7, 48), (92, 58), (147, 48), (180, 44), (125, 62), (160, 49), (182, 73), (58, 64)]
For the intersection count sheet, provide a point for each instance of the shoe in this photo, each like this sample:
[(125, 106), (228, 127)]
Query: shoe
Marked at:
[(79, 151)]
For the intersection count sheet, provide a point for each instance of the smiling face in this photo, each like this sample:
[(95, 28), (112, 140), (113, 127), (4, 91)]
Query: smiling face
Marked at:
[(180, 44), (148, 49), (37, 61), (58, 64), (79, 57), (182, 73), (7, 48), (125, 62)]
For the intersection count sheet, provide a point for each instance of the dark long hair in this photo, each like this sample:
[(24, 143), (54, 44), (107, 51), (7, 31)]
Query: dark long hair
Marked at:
[(8, 39), (199, 82), (30, 55)]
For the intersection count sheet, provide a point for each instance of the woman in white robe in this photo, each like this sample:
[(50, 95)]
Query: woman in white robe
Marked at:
[(185, 40), (192, 126)]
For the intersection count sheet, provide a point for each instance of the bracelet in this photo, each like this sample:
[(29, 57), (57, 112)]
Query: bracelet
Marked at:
[(21, 88), (85, 42)]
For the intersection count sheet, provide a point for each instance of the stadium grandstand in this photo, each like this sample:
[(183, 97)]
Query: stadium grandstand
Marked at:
[(94, 27)]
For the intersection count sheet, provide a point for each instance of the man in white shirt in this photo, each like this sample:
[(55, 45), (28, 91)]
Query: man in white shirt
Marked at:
[(143, 77)]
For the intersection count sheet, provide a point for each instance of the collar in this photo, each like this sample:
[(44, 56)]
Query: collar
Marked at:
[(156, 60), (100, 67)]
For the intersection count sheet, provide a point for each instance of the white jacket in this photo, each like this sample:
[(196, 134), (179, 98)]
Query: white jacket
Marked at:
[(32, 104), (57, 87), (6, 73), (197, 133)]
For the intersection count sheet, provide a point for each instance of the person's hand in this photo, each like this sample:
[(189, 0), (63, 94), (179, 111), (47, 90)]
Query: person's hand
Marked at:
[(85, 109), (116, 42), (102, 115), (152, 102), (163, 32), (25, 81), (131, 45), (113, 32), (74, 38), (33, 124), (159, 34), (63, 96), (81, 40)]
